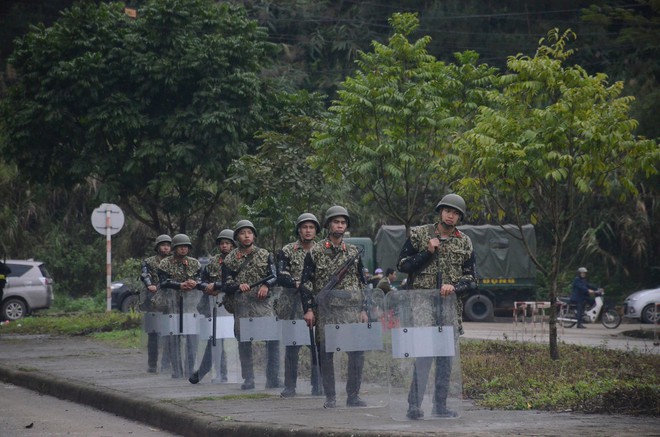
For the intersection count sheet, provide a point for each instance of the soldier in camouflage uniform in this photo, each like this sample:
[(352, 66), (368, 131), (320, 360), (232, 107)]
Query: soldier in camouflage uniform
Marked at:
[(180, 276), (289, 271), (433, 251), (212, 275), (245, 266), (149, 277), (320, 264)]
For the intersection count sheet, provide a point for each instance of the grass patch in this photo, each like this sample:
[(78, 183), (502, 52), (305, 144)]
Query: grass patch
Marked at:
[(129, 338), (74, 324), (516, 376)]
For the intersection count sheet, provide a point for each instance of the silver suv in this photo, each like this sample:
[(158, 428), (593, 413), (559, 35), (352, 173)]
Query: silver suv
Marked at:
[(29, 287)]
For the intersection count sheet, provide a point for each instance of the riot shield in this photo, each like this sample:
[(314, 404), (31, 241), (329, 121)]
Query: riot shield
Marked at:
[(258, 332), (425, 368), (218, 349), (301, 366), (352, 351), (153, 306), (179, 328)]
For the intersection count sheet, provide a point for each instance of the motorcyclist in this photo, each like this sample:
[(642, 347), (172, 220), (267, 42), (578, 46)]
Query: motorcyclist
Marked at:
[(580, 293)]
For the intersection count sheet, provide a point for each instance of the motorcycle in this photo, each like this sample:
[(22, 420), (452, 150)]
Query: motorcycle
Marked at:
[(567, 317)]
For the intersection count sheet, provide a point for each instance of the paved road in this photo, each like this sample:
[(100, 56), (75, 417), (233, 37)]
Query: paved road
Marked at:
[(25, 412), (114, 380), (595, 334)]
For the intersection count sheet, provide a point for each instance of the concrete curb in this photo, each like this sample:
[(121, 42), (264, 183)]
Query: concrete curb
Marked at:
[(164, 415)]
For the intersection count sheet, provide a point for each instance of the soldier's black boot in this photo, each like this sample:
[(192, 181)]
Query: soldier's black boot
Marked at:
[(273, 364)]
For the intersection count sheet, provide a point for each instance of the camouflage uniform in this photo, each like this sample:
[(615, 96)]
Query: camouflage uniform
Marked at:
[(290, 261), (454, 261), (149, 276), (172, 272), (320, 263), (239, 269), (211, 274)]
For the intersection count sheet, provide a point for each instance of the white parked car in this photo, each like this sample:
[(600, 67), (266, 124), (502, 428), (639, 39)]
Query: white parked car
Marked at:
[(641, 305), (29, 287)]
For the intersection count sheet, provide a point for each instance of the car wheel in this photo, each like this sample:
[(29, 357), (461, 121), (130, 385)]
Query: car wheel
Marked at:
[(648, 314), (130, 303), (14, 309), (478, 308)]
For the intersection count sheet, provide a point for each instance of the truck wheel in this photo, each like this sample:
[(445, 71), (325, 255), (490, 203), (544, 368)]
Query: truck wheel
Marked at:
[(130, 303), (478, 308)]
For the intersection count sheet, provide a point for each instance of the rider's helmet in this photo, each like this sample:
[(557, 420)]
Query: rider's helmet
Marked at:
[(226, 234), (181, 240), (453, 201), (244, 224), (336, 211), (308, 217), (162, 239), (582, 270)]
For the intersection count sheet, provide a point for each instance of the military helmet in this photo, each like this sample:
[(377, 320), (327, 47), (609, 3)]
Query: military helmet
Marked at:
[(336, 211), (164, 238), (308, 217), (244, 224), (453, 201), (582, 270), (181, 240), (226, 234)]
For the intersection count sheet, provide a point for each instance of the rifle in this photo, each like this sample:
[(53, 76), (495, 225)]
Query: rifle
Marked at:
[(337, 276), (263, 281), (341, 272)]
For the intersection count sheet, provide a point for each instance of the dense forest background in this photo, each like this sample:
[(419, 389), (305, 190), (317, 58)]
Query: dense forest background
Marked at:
[(309, 49)]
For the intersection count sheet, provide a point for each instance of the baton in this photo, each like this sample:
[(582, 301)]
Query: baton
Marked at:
[(215, 314), (180, 313)]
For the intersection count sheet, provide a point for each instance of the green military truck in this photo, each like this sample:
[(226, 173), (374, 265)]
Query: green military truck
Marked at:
[(505, 270)]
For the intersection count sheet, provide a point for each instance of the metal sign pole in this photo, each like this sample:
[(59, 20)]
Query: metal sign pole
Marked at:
[(108, 219), (108, 261)]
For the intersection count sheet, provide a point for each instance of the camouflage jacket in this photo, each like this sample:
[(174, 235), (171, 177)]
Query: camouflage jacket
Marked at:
[(149, 275), (289, 262), (212, 273), (321, 263), (172, 272), (237, 269), (454, 259)]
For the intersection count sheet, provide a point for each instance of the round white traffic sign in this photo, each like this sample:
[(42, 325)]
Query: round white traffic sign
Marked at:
[(106, 217)]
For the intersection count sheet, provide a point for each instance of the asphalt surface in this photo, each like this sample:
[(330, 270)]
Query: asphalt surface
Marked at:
[(114, 380)]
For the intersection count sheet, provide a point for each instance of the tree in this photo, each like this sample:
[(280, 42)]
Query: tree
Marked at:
[(388, 132), (556, 138), (154, 108), (276, 182)]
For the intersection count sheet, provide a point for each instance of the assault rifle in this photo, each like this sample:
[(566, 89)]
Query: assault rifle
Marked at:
[(337, 276), (341, 272)]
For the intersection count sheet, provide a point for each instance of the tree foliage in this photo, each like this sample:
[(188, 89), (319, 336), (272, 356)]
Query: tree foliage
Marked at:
[(154, 108), (389, 130), (276, 183), (555, 138)]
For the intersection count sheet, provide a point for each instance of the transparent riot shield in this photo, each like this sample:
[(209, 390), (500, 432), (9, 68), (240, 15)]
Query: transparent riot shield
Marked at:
[(155, 319), (179, 328), (258, 331), (302, 375), (218, 349), (352, 352), (425, 367)]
